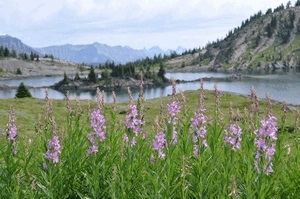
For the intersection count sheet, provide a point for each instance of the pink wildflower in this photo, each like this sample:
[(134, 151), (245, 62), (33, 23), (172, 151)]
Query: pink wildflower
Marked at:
[(92, 149), (173, 108), (12, 133), (198, 126), (97, 124), (233, 136), (133, 123), (53, 149), (265, 144), (158, 144)]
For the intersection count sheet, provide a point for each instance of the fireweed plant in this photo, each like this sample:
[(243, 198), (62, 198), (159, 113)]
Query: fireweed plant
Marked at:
[(103, 151)]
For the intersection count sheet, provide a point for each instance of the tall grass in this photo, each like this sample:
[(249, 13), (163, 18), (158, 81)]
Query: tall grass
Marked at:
[(184, 153)]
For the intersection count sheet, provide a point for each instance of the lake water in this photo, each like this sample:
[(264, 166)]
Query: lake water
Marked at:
[(282, 86)]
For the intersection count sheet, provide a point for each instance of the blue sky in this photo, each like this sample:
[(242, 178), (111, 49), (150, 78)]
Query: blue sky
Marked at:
[(135, 23)]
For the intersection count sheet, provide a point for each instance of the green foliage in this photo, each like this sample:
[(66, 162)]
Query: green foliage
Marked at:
[(119, 170), (19, 72), (205, 61), (288, 4), (6, 52), (105, 74), (2, 71), (34, 56), (92, 76), (122, 71), (183, 64), (81, 68), (49, 56), (269, 11), (161, 73), (279, 8), (270, 28), (23, 91), (77, 78), (13, 53), (65, 79), (23, 56), (286, 25)]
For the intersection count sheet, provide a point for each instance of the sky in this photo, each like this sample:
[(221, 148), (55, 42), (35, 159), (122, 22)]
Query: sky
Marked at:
[(135, 23)]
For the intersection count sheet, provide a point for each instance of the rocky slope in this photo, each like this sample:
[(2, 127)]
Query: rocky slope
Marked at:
[(44, 67), (265, 41)]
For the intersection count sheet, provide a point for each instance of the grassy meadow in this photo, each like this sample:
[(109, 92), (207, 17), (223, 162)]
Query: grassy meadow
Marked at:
[(188, 145)]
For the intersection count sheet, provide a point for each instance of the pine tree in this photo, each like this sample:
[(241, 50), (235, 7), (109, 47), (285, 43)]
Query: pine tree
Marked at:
[(23, 91), (19, 72), (6, 52), (14, 53), (161, 73), (77, 78), (92, 75), (66, 79), (31, 56)]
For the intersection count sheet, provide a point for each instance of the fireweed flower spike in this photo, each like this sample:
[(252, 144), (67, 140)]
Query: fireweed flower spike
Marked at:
[(68, 101), (97, 124), (233, 132), (198, 126), (198, 123), (173, 110), (218, 112), (133, 123), (48, 104), (53, 149), (265, 143), (115, 100), (11, 129), (233, 136), (158, 144)]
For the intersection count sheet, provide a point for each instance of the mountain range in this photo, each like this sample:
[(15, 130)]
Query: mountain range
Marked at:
[(16, 44), (263, 41), (89, 53)]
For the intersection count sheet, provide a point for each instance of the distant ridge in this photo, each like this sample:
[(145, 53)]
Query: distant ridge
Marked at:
[(89, 54), (100, 53), (16, 44)]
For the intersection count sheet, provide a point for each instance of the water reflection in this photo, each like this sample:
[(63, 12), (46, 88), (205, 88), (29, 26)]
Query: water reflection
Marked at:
[(282, 86)]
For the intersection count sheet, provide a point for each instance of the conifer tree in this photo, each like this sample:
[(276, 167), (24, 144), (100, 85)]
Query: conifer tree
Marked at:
[(77, 78), (92, 75), (161, 73), (23, 91)]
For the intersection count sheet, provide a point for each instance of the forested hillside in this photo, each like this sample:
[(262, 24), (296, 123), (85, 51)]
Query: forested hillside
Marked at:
[(269, 39)]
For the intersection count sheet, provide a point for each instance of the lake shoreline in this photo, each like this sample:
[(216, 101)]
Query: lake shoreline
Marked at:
[(238, 83)]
